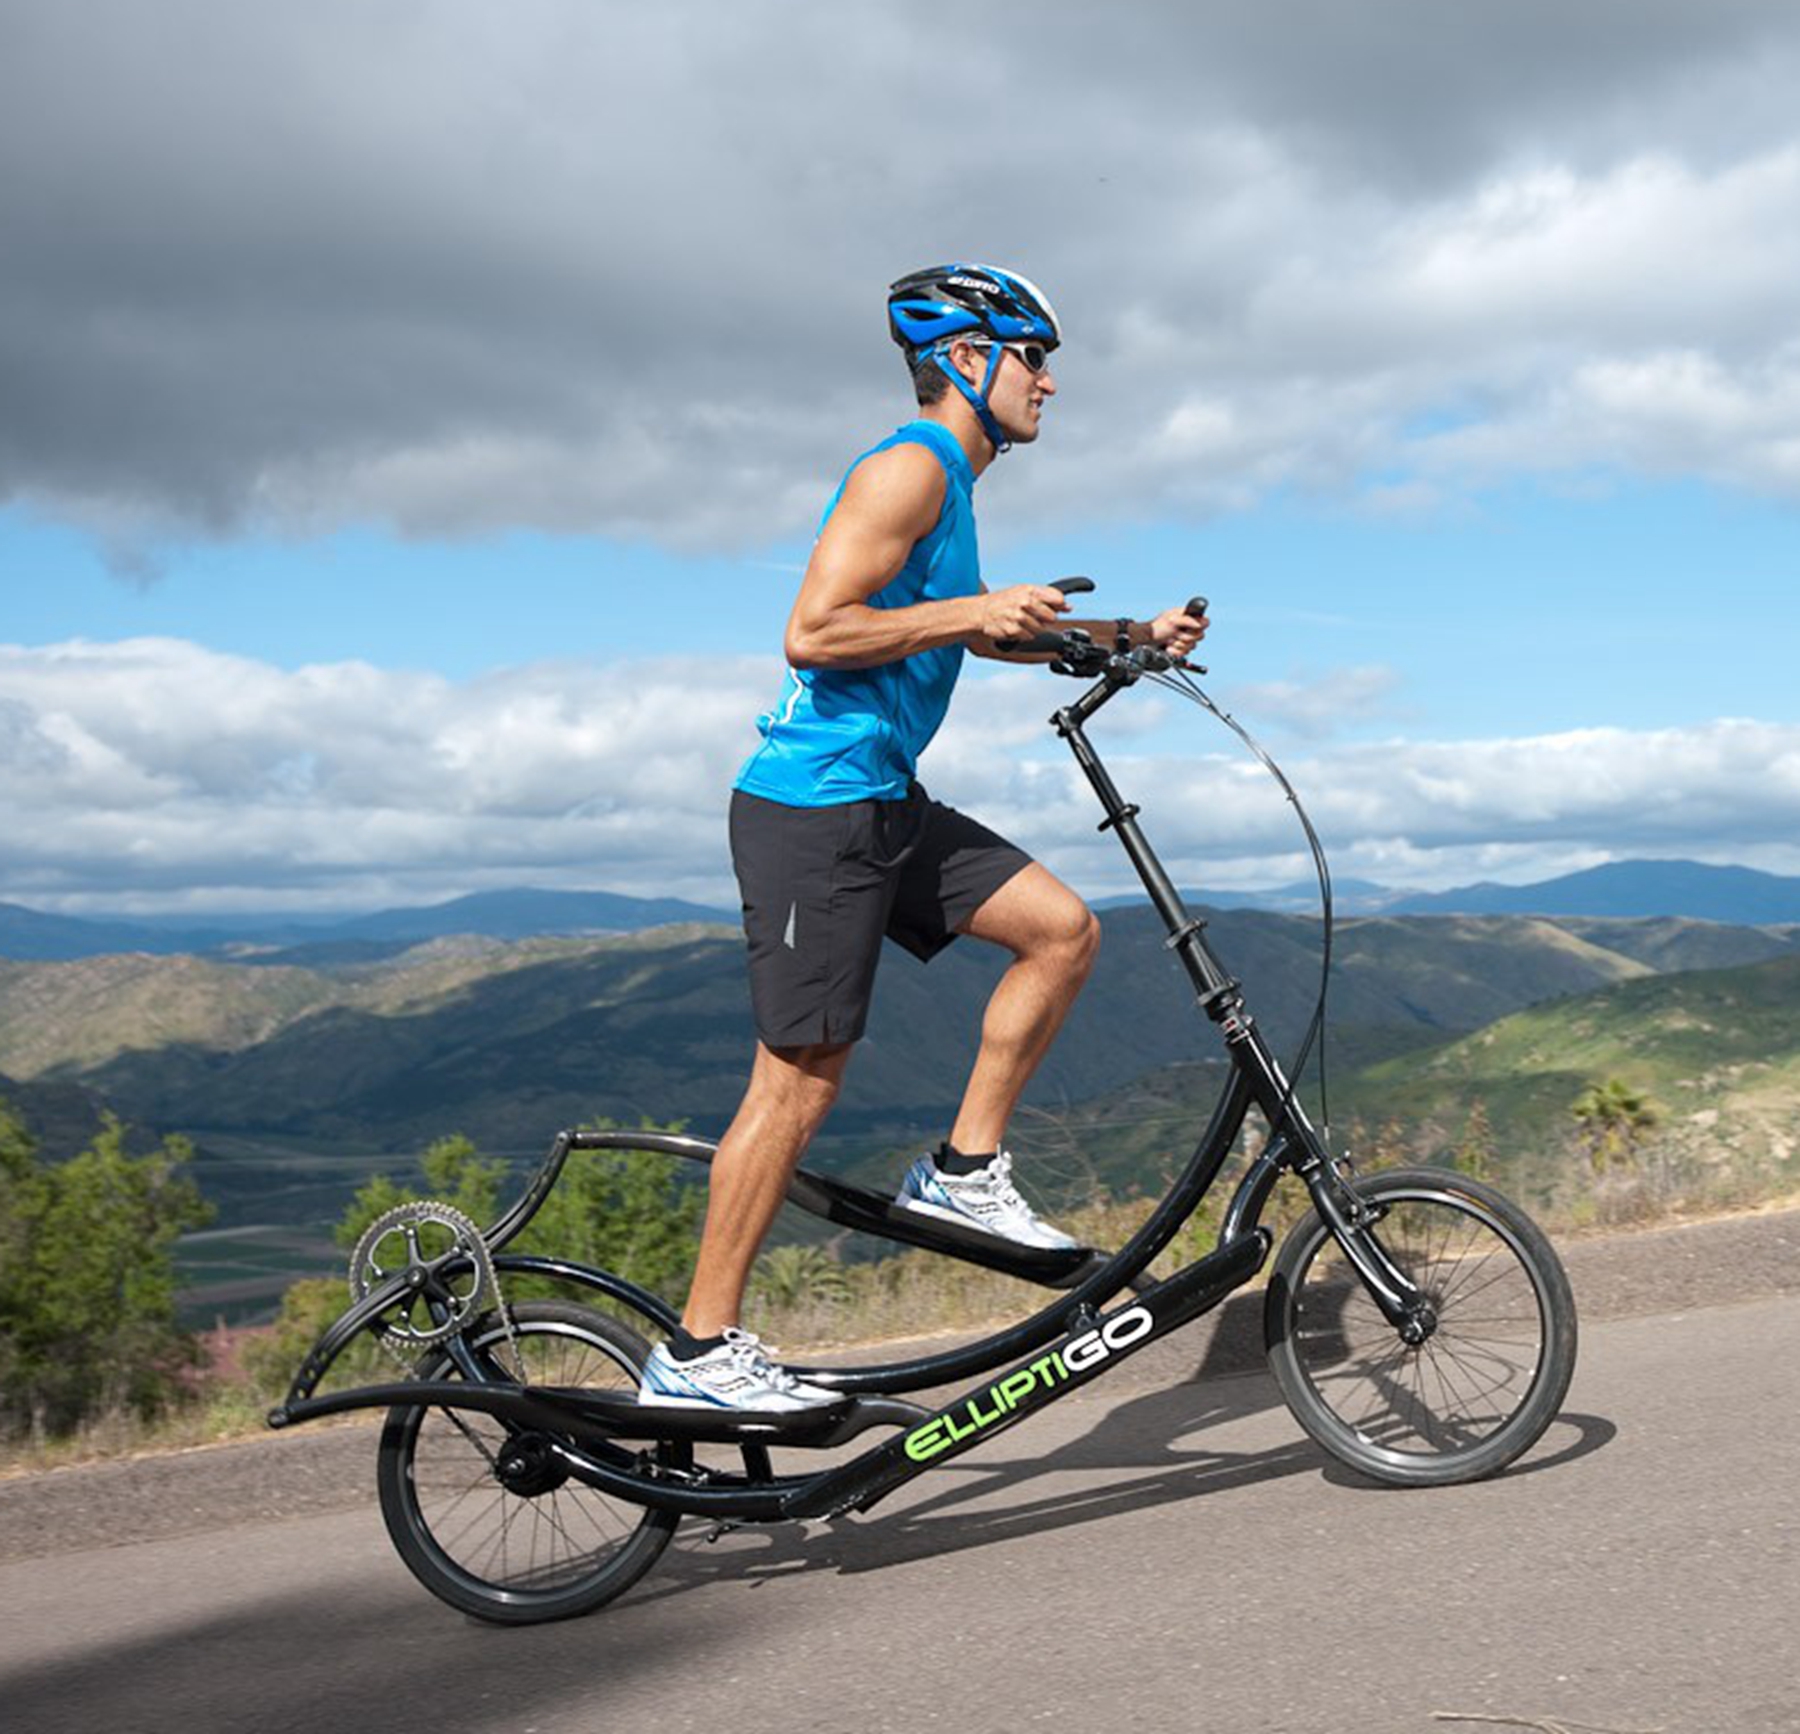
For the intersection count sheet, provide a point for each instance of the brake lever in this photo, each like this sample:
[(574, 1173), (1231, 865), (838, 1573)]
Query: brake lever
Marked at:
[(1077, 653)]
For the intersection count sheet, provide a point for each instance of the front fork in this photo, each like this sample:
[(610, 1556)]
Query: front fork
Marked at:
[(1297, 1148)]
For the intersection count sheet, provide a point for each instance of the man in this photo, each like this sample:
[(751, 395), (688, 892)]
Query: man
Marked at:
[(835, 844)]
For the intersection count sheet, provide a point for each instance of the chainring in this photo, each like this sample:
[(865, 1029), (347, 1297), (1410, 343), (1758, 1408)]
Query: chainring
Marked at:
[(450, 1278)]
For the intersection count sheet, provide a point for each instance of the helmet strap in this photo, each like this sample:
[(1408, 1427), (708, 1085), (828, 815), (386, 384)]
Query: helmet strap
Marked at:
[(977, 400)]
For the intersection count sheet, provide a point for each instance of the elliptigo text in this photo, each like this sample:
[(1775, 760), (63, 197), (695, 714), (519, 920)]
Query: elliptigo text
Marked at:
[(1005, 1395)]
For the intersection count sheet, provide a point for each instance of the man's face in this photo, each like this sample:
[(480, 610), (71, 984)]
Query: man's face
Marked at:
[(1017, 395)]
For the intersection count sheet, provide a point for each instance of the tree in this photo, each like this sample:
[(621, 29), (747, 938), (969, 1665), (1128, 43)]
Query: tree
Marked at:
[(456, 1173), (786, 1277), (1614, 1118), (628, 1211), (87, 1278), (1475, 1152)]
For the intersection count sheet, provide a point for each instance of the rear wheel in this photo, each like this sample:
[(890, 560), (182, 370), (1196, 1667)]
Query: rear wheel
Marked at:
[(484, 1515), (1487, 1378)]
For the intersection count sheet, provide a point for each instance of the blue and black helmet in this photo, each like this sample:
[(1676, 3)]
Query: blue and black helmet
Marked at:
[(948, 300), (928, 309)]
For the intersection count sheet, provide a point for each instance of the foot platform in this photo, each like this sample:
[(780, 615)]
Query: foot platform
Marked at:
[(585, 1415)]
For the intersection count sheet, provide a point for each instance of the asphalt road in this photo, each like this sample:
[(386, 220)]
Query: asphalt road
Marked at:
[(1142, 1556)]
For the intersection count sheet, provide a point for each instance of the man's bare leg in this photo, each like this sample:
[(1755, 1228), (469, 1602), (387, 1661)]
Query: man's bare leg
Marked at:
[(1054, 938), (790, 1092)]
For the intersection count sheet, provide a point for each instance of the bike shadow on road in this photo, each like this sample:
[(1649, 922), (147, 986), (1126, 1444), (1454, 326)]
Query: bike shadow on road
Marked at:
[(1203, 1432)]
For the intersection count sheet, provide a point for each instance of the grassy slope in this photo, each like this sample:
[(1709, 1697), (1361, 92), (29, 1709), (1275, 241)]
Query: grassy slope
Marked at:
[(1718, 1050)]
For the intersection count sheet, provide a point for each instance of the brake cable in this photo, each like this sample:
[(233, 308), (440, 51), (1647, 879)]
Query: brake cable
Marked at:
[(1176, 678)]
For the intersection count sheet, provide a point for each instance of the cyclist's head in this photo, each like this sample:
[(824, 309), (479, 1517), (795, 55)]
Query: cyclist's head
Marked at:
[(930, 310)]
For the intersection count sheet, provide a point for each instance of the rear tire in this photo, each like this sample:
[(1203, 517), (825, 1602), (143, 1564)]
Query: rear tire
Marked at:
[(516, 1558), (1480, 1389)]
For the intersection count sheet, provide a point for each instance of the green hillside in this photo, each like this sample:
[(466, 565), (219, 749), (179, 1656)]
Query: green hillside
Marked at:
[(1671, 943), (64, 1018), (1717, 1052)]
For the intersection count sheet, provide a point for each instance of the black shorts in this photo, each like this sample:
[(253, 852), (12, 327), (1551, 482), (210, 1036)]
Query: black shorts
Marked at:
[(822, 885)]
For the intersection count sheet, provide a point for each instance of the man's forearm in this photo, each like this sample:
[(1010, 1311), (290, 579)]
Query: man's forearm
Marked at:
[(854, 635)]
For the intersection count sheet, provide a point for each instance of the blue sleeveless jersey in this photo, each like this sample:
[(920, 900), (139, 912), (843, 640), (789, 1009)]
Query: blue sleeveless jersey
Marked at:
[(855, 734)]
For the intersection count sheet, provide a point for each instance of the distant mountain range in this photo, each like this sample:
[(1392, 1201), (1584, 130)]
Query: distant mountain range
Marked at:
[(1735, 896), (507, 1040), (33, 935), (1739, 896)]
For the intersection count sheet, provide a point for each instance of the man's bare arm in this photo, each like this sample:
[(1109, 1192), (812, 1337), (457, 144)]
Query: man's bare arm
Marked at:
[(891, 503), (1174, 630)]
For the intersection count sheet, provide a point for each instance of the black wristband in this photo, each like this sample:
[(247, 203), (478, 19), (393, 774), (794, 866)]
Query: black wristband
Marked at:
[(1122, 638)]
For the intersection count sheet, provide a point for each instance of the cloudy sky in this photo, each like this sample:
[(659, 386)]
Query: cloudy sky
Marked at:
[(414, 418)]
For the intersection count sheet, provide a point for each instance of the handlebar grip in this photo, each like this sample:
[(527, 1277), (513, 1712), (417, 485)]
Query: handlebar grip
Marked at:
[(1042, 643), (1196, 606)]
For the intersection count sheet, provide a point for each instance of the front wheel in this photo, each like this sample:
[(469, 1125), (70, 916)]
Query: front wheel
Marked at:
[(1486, 1380), (482, 1515)]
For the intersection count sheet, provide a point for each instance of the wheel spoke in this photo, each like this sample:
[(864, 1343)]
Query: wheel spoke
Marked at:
[(1473, 1391), (536, 1542)]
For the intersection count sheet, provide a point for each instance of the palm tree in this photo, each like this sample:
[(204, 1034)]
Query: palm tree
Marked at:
[(1614, 1118), (787, 1276)]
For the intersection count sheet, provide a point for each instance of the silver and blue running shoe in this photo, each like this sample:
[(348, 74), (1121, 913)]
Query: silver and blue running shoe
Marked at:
[(737, 1375), (985, 1199)]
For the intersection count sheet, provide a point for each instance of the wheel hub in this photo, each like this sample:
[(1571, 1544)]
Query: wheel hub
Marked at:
[(528, 1467), (1419, 1324)]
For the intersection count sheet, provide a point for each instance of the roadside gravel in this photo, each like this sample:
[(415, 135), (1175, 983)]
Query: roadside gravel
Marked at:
[(331, 1467)]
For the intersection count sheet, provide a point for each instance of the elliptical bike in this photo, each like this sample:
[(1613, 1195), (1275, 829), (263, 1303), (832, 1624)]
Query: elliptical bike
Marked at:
[(1419, 1325)]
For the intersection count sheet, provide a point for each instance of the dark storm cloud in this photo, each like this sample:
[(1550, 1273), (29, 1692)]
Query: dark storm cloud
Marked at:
[(600, 266)]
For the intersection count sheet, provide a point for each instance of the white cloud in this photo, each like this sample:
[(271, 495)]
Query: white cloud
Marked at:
[(154, 773), (153, 767), (1321, 704)]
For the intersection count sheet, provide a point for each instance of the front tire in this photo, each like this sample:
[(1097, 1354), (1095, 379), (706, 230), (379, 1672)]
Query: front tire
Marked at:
[(1480, 1389), (548, 1548)]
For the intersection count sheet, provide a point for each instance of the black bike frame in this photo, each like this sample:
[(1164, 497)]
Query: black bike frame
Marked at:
[(1062, 1346)]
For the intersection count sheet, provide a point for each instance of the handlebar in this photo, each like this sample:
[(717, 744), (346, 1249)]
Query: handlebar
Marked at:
[(1047, 642), (1077, 654)]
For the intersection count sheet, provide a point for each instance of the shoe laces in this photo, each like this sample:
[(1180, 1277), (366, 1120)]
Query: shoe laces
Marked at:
[(750, 1355), (998, 1177)]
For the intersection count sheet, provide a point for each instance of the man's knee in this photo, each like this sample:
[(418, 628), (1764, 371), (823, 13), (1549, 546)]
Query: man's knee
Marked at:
[(1067, 925), (809, 1076), (1082, 936), (1066, 935)]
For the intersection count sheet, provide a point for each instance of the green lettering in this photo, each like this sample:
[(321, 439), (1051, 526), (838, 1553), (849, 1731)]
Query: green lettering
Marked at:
[(943, 1431), (1014, 1386), (958, 1433), (980, 1419)]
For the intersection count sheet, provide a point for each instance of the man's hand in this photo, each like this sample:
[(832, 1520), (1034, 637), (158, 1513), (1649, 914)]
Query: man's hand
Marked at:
[(1021, 611), (1177, 631)]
